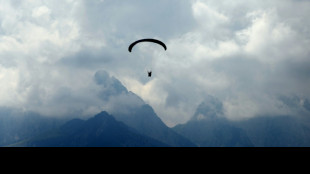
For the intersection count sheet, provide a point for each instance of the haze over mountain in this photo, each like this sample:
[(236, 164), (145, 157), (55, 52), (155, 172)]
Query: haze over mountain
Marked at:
[(16, 125), (208, 127)]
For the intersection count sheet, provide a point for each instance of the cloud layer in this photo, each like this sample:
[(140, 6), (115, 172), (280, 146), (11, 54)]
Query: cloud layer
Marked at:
[(245, 53)]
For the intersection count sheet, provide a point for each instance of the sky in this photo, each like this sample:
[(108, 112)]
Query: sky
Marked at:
[(252, 55)]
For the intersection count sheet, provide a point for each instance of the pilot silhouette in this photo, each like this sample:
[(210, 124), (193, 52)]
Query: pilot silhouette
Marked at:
[(150, 73)]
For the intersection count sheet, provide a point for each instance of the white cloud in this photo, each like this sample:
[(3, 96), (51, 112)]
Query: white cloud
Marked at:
[(268, 36), (208, 17), (41, 11)]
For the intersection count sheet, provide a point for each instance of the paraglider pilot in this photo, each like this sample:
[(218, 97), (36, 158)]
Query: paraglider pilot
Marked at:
[(150, 73)]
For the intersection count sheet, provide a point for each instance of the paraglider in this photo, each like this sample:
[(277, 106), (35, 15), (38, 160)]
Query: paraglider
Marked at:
[(131, 46), (147, 40)]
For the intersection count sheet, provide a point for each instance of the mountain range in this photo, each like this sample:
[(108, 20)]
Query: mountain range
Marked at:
[(210, 128), (135, 124), (130, 124)]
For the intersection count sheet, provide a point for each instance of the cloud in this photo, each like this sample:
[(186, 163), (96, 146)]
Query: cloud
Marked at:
[(246, 63), (207, 17), (245, 53)]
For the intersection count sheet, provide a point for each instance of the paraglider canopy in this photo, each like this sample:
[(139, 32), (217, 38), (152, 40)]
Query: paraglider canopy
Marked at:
[(147, 40)]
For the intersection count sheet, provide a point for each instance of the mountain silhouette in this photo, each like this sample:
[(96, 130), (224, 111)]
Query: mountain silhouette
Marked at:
[(101, 130)]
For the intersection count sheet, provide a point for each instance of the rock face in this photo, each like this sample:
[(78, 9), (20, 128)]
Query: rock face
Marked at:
[(145, 120)]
